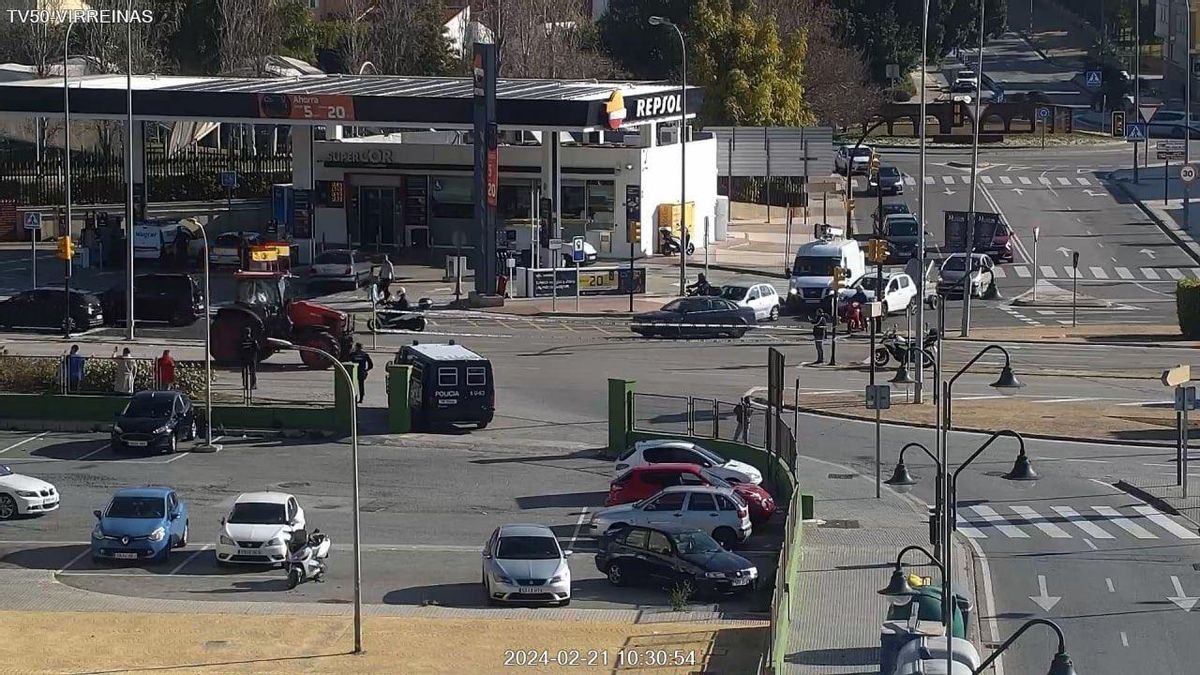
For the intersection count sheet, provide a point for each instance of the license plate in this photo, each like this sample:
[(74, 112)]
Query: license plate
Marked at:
[(447, 401), (530, 589), (125, 556), (136, 444), (741, 581), (248, 551)]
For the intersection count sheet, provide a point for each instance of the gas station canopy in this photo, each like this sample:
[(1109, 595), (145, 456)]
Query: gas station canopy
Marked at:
[(426, 102)]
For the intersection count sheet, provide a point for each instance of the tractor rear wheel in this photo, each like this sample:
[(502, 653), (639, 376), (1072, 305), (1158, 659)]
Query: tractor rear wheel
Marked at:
[(322, 341)]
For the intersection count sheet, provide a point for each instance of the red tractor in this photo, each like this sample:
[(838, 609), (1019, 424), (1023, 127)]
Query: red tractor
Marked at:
[(266, 304)]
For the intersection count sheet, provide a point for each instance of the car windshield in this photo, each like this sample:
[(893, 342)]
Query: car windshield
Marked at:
[(814, 266), (714, 480), (674, 306), (226, 240), (150, 406), (902, 228), (734, 293), (527, 548), (261, 513), (889, 171), (955, 264), (711, 456), (137, 507), (860, 152), (866, 283), (695, 542)]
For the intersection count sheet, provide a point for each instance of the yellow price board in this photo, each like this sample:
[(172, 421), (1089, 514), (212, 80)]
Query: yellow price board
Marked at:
[(598, 281), (264, 254)]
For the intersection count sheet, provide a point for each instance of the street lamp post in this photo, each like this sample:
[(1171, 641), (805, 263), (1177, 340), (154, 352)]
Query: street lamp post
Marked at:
[(67, 138), (350, 384), (1187, 113), (919, 388), (208, 445), (683, 231), (971, 219), (1060, 665), (129, 321), (902, 480)]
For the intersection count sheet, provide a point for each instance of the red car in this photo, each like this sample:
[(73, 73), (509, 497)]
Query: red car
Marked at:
[(647, 480)]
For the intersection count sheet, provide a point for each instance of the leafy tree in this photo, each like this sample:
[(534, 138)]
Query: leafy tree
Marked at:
[(646, 52), (408, 37)]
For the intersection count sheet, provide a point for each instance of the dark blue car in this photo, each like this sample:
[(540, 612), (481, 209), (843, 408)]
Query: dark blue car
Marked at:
[(140, 524)]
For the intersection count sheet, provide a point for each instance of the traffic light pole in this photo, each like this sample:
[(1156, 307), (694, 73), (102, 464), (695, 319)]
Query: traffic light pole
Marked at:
[(67, 289)]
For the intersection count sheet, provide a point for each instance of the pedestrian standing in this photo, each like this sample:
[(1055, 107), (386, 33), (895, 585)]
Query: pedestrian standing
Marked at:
[(742, 412), (123, 373), (248, 351), (359, 357), (387, 274), (75, 362), (164, 370), (819, 325)]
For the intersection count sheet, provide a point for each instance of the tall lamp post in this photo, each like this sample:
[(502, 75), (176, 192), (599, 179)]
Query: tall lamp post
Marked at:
[(208, 445), (350, 384), (1060, 665), (903, 481), (919, 388), (1187, 112), (67, 134), (683, 231), (129, 320), (971, 219)]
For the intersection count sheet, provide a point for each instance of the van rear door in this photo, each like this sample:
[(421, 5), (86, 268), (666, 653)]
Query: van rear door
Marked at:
[(147, 242)]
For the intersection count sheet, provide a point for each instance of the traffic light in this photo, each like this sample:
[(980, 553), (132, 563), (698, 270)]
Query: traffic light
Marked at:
[(1118, 123), (66, 248), (877, 251), (635, 231), (839, 278)]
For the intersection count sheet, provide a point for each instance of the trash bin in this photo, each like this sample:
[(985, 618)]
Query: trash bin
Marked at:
[(934, 649)]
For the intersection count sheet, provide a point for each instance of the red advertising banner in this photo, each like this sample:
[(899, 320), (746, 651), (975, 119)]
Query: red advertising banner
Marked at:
[(306, 106), (493, 177)]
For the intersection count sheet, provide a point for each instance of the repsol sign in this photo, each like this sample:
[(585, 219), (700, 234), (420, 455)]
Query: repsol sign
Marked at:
[(369, 156), (658, 106)]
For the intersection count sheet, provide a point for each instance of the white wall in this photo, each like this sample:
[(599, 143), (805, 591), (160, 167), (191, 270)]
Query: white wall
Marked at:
[(660, 185)]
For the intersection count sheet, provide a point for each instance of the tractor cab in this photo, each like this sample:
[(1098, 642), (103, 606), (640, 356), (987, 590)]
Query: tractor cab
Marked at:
[(264, 289)]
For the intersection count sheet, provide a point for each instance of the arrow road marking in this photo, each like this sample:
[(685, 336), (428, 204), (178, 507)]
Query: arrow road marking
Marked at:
[(1018, 191), (1047, 601), (1185, 602), (949, 192), (1064, 250), (1147, 252), (1093, 193)]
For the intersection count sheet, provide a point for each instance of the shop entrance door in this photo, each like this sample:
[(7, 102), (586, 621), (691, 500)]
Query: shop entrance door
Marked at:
[(378, 216)]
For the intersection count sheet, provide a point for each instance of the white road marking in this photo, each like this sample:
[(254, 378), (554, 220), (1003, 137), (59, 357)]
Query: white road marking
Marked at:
[(1149, 273), (1097, 272), (1124, 639), (579, 523), (1022, 271), (1174, 273), (96, 451), (1034, 518), (190, 558), (1069, 400), (1123, 272), (998, 521), (1063, 180), (76, 558), (1158, 518), (1005, 180), (998, 272), (990, 598), (967, 530), (966, 180), (987, 180), (1025, 181), (23, 441), (1083, 181), (1091, 545), (929, 180), (1073, 517), (1109, 584), (1114, 516), (948, 180), (910, 181), (1047, 271)]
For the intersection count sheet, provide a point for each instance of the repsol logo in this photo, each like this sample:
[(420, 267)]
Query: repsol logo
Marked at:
[(373, 156), (656, 106)]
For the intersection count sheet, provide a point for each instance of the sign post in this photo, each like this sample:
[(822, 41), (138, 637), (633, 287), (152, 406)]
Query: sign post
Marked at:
[(879, 397), (1074, 284), (1037, 231), (1043, 114), (577, 255), (33, 225), (229, 181), (555, 249)]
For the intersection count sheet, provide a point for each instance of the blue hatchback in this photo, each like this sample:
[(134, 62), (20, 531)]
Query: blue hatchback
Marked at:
[(140, 524)]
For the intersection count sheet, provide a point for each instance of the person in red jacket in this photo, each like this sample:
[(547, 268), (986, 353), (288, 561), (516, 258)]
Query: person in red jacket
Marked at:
[(164, 370)]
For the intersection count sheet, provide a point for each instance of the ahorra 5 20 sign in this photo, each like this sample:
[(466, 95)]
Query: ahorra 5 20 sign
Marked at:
[(306, 106)]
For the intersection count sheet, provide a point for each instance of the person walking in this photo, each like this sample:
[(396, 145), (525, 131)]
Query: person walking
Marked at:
[(742, 412), (164, 371), (359, 357), (819, 325), (75, 362), (248, 351), (123, 373), (387, 274)]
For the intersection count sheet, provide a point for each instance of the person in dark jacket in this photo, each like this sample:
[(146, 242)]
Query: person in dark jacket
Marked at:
[(248, 350), (820, 324), (359, 357)]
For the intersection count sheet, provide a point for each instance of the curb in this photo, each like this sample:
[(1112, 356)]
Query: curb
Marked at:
[(1191, 248)]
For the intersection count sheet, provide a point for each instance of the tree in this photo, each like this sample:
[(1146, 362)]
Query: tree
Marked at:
[(544, 38), (646, 52), (408, 37), (253, 30)]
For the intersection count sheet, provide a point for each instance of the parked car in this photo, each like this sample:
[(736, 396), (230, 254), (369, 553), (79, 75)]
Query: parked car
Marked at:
[(140, 524), (890, 181), (717, 511), (661, 451), (155, 421), (668, 555), (951, 279), (524, 563), (176, 299), (890, 208), (963, 87), (47, 308), (342, 266), (857, 159), (22, 495), (259, 528), (761, 298), (647, 480), (899, 292), (1171, 124), (695, 317), (227, 248)]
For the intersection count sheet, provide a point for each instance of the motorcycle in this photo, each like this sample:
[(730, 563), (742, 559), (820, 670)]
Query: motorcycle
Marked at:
[(852, 316), (709, 290), (306, 557), (392, 316), (669, 243), (898, 347)]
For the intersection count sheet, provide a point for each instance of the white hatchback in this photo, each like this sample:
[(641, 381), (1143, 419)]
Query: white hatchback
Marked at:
[(524, 563), (762, 298), (686, 452), (717, 511), (22, 495), (258, 528)]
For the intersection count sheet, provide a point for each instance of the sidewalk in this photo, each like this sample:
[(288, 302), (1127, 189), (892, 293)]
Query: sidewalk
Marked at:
[(836, 615), (1148, 194)]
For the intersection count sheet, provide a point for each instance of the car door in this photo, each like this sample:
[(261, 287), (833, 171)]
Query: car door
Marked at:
[(658, 563), (891, 296), (174, 517), (46, 309), (702, 512), (752, 299), (629, 549), (694, 318), (15, 310), (664, 509), (296, 513)]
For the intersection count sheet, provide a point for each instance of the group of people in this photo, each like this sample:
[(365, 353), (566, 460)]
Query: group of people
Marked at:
[(124, 370)]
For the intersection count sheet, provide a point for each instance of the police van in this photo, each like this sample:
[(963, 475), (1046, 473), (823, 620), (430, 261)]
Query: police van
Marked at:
[(450, 385)]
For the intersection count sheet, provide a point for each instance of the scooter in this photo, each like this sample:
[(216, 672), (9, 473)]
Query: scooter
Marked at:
[(898, 347), (708, 290), (669, 243), (306, 557), (389, 315)]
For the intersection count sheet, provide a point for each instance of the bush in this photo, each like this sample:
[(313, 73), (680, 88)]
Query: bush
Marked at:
[(1187, 307), (43, 375)]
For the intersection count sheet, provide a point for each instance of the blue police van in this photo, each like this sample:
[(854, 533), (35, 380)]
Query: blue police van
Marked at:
[(450, 385)]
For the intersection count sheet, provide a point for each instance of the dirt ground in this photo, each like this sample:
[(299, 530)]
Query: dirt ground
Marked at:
[(57, 642)]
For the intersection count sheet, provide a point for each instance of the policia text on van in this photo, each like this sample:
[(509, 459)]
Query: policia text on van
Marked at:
[(450, 384)]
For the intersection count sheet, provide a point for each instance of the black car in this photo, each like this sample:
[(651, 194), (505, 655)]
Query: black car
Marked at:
[(47, 308), (155, 420), (669, 555), (695, 317), (890, 181), (174, 298)]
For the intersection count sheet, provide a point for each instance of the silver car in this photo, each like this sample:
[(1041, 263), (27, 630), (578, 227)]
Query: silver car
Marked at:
[(524, 563), (718, 511), (952, 278)]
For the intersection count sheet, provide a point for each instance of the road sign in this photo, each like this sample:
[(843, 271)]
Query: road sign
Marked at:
[(1135, 132), (1173, 377), (879, 397), (1170, 154), (1147, 112), (1187, 173), (892, 71), (577, 252), (1094, 79), (1043, 113), (1170, 145), (33, 220), (555, 244), (229, 179), (1118, 122), (1185, 398)]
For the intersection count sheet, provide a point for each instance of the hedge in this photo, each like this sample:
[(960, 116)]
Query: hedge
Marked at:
[(1187, 307), (43, 375)]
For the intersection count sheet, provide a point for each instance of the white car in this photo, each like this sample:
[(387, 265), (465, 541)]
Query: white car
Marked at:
[(762, 298), (342, 265), (951, 278), (258, 528), (226, 249), (899, 291), (686, 452), (718, 511), (22, 495), (524, 563), (858, 159)]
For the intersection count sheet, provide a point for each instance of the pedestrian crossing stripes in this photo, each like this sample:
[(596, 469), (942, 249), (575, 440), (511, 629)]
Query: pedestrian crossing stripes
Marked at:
[(1097, 273), (994, 181), (1021, 521)]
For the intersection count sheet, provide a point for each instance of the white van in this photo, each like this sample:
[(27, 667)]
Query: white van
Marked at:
[(812, 272), (153, 238)]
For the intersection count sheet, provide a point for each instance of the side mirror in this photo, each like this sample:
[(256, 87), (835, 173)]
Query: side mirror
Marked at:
[(174, 516), (567, 553), (96, 513), (486, 555)]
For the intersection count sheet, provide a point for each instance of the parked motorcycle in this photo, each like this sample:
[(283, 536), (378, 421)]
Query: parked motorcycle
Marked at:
[(900, 348), (306, 557), (669, 243)]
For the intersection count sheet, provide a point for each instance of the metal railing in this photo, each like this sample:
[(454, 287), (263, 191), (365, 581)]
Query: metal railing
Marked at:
[(713, 418)]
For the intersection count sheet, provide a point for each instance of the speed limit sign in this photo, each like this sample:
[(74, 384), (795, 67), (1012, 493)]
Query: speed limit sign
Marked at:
[(1187, 173)]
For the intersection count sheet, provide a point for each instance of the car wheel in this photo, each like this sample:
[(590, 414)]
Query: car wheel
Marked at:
[(184, 539), (481, 425), (725, 537), (165, 556), (8, 507), (615, 574), (774, 315)]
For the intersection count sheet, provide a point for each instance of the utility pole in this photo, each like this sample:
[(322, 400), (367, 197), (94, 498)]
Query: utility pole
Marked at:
[(971, 219), (1137, 79), (919, 388), (1187, 113)]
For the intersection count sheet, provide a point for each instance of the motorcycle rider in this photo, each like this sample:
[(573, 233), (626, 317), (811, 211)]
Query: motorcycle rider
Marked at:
[(701, 287), (401, 301)]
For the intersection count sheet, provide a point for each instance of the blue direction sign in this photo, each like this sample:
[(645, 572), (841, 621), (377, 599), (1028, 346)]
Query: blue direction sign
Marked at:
[(1094, 79), (1135, 132), (578, 254), (229, 179), (1043, 113)]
